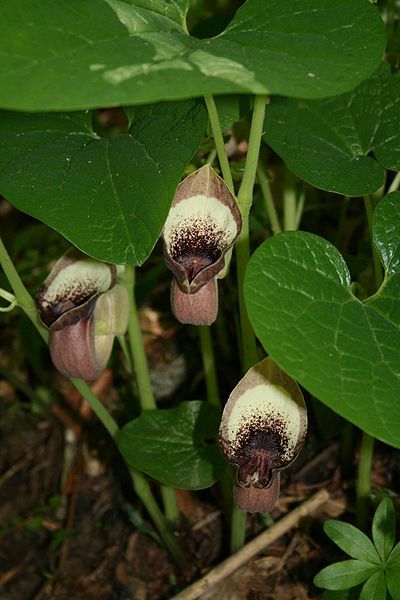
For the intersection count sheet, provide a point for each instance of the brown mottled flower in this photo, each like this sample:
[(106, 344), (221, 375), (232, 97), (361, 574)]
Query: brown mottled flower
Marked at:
[(263, 428), (202, 224), (84, 309)]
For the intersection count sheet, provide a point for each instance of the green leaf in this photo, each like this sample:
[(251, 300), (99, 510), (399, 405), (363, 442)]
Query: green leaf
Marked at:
[(175, 446), (344, 351), (392, 573), (74, 55), (374, 588), (108, 196), (328, 143), (384, 528), (353, 541), (343, 575)]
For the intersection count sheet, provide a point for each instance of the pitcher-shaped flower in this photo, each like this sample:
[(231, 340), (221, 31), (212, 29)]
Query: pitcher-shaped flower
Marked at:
[(202, 224), (263, 428), (84, 309)]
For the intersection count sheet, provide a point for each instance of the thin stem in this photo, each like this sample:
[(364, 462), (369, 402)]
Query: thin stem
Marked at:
[(219, 142), (289, 203), (170, 505), (394, 186), (143, 490), (245, 199), (210, 372), (238, 529), (268, 199), (363, 486), (98, 408), (245, 195), (24, 299), (146, 395), (125, 351), (300, 208), (249, 346)]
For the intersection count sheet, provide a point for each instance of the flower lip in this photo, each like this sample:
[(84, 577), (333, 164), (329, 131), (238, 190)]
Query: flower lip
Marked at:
[(69, 293), (263, 425), (203, 223)]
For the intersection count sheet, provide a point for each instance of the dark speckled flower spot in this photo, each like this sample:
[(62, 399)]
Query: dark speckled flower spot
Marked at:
[(84, 309), (262, 431), (203, 223)]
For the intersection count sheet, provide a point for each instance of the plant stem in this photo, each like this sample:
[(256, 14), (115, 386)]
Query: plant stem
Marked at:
[(146, 395), (210, 372), (98, 408), (245, 199), (238, 528), (143, 490), (249, 346), (289, 203), (219, 142), (394, 186), (363, 486), (24, 299), (268, 199)]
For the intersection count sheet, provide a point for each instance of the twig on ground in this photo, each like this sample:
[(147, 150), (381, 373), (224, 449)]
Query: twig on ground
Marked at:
[(228, 566)]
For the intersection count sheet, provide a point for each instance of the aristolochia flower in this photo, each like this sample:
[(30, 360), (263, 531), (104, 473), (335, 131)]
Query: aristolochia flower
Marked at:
[(84, 309), (263, 428), (202, 224)]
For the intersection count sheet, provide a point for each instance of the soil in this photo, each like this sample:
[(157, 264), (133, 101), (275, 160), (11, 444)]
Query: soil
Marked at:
[(71, 527)]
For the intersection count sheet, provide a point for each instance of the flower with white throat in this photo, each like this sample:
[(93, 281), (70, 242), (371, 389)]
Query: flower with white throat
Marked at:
[(203, 223)]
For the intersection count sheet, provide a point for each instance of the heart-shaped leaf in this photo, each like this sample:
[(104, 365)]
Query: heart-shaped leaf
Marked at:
[(108, 196), (175, 446), (329, 143), (75, 55), (344, 351)]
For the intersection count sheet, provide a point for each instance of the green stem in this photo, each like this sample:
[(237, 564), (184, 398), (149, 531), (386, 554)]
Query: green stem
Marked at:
[(146, 396), (268, 199), (394, 186), (98, 408), (143, 490), (24, 299), (289, 203), (238, 529), (219, 142), (363, 487), (169, 501), (249, 346), (245, 199), (210, 372)]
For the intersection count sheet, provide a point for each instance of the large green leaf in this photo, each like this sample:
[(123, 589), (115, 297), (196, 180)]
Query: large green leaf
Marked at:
[(328, 143), (73, 55), (175, 446), (344, 351), (110, 197)]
